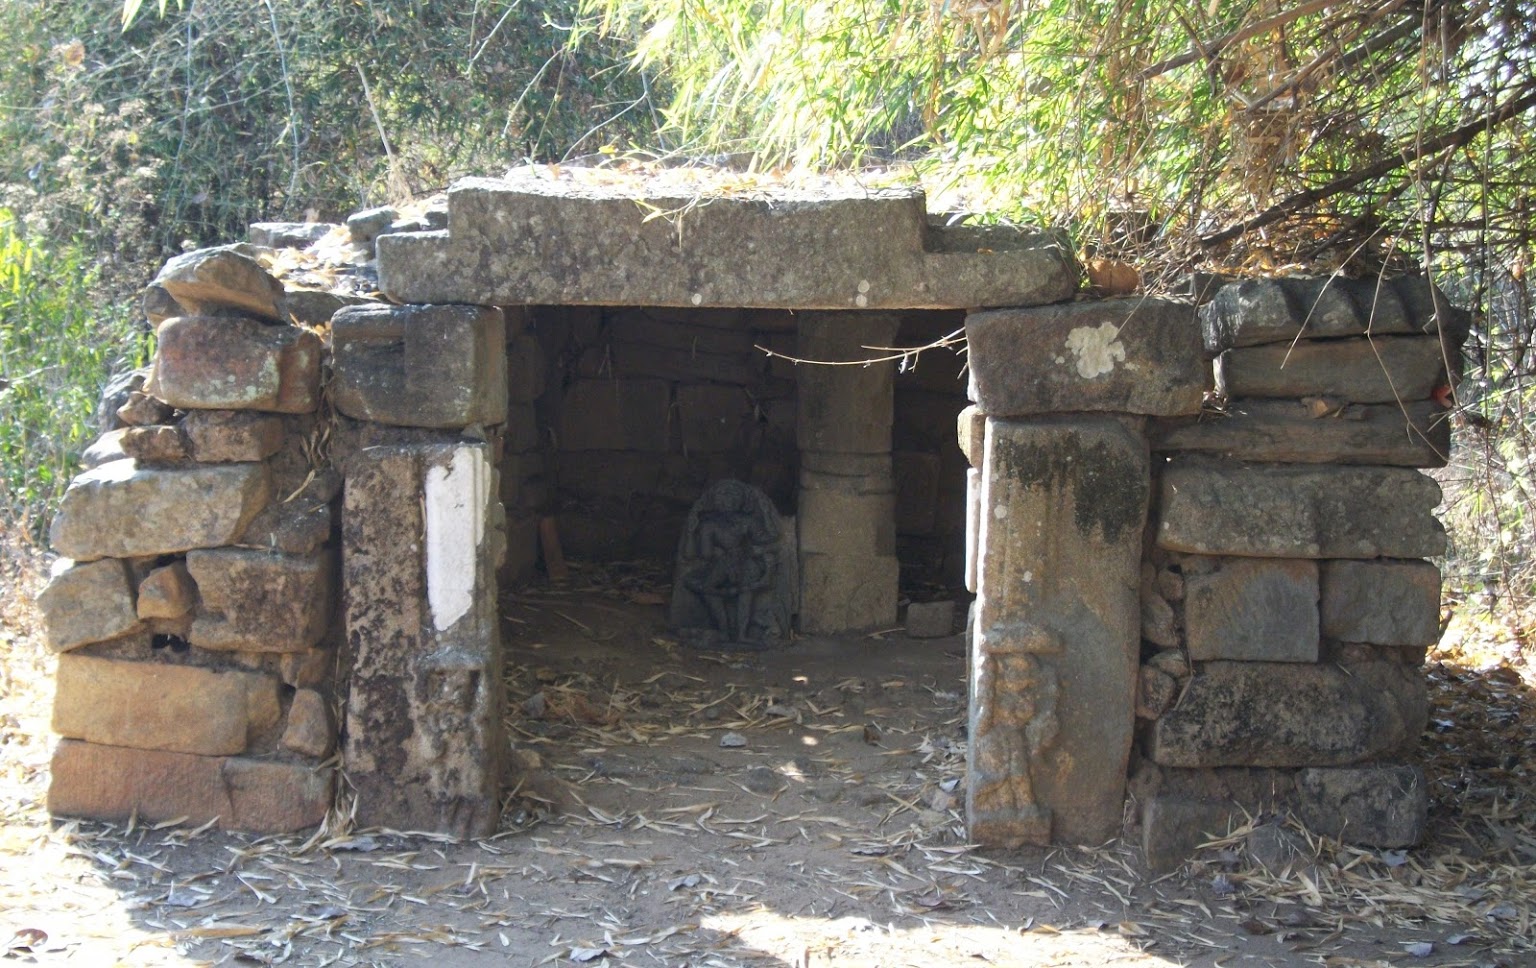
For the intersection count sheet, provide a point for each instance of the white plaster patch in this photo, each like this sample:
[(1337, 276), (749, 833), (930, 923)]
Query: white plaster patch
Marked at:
[(861, 300), (1097, 349), (697, 298), (863, 285), (1029, 576), (456, 496), (1000, 512)]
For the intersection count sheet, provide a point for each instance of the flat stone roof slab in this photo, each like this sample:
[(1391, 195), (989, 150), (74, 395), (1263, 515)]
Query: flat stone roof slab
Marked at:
[(546, 235)]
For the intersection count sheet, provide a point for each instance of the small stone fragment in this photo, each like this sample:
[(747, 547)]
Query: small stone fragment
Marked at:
[(370, 223), (306, 669), (158, 444), (115, 394), (87, 602), (311, 730), (732, 741), (166, 592), (1154, 693), (159, 305), (107, 448), (930, 620), (140, 409), (288, 235), (764, 781)]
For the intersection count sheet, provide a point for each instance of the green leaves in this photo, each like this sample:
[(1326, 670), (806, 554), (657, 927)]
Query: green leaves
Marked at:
[(131, 10)]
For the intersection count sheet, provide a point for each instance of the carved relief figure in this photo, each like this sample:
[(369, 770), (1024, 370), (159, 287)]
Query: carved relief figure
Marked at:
[(727, 591)]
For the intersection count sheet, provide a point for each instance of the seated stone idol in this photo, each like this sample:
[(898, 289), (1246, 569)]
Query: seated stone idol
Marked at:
[(728, 589)]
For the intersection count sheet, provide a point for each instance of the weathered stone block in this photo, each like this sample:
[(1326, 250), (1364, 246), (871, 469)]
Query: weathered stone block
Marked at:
[(421, 366), (288, 235), (712, 418), (970, 427), (310, 729), (526, 365), (846, 593), (148, 705), (845, 409), (1290, 714), (1136, 355), (1256, 311), (139, 409), (1173, 826), (1379, 370), (423, 717), (257, 796), (123, 510), (834, 522), (220, 280), (231, 436), (1381, 602), (307, 669), (537, 237), (1384, 806), (617, 415), (157, 444), (310, 307), (86, 602), (1289, 431), (107, 448), (297, 527), (166, 592), (1155, 692), (236, 363), (917, 478), (256, 601), (1299, 512), (1054, 658), (1254, 610), (931, 620)]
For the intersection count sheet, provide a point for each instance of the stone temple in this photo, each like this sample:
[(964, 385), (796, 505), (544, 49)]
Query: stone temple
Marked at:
[(1193, 527)]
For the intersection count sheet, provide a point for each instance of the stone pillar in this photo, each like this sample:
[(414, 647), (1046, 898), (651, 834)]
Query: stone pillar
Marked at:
[(1057, 629), (424, 734), (847, 501)]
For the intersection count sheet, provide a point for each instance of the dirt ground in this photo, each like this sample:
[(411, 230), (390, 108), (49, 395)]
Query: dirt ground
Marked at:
[(794, 808)]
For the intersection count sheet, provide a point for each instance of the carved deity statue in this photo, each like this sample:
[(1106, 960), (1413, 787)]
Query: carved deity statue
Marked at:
[(728, 587)]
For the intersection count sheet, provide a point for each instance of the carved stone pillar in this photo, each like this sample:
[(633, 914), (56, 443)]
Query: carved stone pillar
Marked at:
[(847, 500), (1054, 652)]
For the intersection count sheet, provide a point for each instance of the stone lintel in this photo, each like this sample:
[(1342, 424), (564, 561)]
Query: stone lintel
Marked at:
[(564, 236), (1054, 655)]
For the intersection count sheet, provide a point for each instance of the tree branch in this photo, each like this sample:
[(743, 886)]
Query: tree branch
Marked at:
[(1454, 138), (1236, 36)]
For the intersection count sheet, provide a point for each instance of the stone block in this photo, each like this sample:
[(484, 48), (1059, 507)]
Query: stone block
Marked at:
[(124, 510), (1381, 602), (917, 491), (931, 620), (833, 522), (257, 601), (154, 445), (847, 593), (1174, 826), (311, 307), (231, 436), (1155, 692), (166, 592), (236, 363), (158, 305), (307, 669), (288, 235), (1291, 432), (310, 730), (86, 602), (424, 741), (526, 365), (1253, 610), (155, 706), (139, 409), (370, 223), (1298, 512), (617, 415), (1383, 806), (297, 527), (854, 473), (971, 429), (1256, 311), (535, 237), (221, 281), (107, 448), (256, 796), (1135, 355), (421, 366), (844, 409), (712, 418), (1291, 714), (1055, 656), (1383, 369)]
